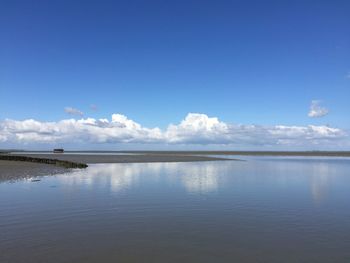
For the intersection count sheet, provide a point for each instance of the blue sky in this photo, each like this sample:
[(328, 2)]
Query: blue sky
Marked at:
[(244, 62)]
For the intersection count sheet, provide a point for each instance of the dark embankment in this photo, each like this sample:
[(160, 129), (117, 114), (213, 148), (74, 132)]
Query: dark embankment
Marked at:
[(127, 158), (36, 159)]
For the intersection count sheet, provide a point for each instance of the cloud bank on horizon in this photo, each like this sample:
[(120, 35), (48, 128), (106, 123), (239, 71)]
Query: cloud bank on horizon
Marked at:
[(195, 129)]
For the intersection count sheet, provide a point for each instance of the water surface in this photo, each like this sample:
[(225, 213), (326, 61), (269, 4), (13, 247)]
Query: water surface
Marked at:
[(262, 210)]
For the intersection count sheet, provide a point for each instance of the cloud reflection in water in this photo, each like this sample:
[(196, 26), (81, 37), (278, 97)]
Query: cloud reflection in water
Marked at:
[(208, 177), (195, 177)]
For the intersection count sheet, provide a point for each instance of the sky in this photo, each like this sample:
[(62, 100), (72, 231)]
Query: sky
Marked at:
[(110, 75)]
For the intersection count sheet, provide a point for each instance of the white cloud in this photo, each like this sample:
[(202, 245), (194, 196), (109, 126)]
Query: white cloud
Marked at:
[(316, 110), (196, 129), (73, 111)]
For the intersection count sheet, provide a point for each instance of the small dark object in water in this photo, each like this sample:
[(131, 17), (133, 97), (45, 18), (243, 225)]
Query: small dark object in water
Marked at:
[(58, 150), (35, 180)]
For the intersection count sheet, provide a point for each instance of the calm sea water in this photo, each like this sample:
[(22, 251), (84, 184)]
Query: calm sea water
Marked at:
[(261, 210)]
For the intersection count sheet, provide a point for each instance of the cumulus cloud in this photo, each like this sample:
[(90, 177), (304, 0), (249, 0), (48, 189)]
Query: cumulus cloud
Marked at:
[(73, 111), (316, 110), (194, 129), (197, 128)]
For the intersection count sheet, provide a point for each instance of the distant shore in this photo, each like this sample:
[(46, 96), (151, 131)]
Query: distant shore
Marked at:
[(252, 153), (204, 153)]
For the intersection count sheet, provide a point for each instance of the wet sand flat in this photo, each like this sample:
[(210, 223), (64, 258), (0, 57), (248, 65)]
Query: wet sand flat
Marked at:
[(12, 170)]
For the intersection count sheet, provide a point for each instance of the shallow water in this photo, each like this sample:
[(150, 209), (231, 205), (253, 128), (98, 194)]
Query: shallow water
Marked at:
[(262, 210)]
